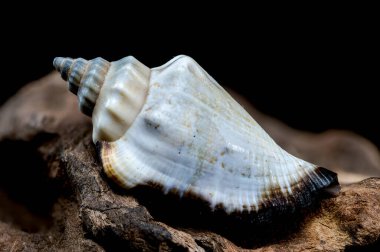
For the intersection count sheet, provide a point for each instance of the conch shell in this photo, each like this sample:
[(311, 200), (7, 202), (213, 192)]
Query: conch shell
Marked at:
[(175, 128)]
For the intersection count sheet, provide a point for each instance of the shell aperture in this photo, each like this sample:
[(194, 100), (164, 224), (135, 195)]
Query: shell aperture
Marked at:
[(176, 128)]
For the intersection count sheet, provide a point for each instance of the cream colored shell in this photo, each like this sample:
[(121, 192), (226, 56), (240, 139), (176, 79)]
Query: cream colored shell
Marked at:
[(123, 95), (175, 127)]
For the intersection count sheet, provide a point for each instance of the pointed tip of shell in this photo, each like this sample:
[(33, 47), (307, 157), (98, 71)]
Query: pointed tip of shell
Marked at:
[(84, 77), (57, 62), (63, 65)]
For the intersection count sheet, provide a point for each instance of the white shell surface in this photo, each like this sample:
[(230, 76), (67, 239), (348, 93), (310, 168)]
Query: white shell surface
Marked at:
[(121, 98), (191, 136)]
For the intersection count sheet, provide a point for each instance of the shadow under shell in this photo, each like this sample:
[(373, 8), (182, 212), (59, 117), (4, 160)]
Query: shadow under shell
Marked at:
[(246, 229)]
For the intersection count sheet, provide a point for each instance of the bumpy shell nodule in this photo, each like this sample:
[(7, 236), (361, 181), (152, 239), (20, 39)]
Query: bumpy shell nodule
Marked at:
[(176, 128)]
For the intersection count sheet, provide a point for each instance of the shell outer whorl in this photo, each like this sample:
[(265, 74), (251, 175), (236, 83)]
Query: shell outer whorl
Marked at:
[(192, 138), (85, 79), (120, 101)]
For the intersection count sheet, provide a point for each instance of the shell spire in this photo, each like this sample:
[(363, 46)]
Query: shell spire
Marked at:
[(112, 93), (85, 79)]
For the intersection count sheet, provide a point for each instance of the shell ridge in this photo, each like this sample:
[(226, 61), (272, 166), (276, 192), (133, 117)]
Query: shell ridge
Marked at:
[(282, 171), (159, 176), (93, 79), (189, 187), (76, 74), (121, 74)]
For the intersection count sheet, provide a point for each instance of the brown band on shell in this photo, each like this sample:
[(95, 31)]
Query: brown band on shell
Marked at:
[(303, 191), (104, 149)]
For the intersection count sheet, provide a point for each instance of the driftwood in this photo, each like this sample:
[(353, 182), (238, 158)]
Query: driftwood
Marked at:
[(54, 195)]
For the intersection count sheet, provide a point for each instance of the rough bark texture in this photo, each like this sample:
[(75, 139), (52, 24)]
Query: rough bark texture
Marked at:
[(54, 195)]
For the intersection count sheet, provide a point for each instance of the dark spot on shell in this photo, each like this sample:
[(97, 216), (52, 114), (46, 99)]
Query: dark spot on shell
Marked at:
[(213, 160), (151, 124), (226, 150), (218, 207), (148, 109)]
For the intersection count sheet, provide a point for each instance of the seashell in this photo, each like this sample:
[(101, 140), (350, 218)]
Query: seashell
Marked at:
[(174, 127)]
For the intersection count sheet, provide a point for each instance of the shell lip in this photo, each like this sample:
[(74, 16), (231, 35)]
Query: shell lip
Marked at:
[(192, 210), (333, 189), (57, 62), (304, 194)]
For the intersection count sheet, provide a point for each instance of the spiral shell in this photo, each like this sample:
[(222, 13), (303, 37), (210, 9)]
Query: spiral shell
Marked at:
[(174, 127)]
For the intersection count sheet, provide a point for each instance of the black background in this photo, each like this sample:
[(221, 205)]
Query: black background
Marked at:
[(315, 73)]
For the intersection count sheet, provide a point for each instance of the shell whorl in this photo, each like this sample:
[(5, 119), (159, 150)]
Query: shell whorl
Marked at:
[(85, 79)]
